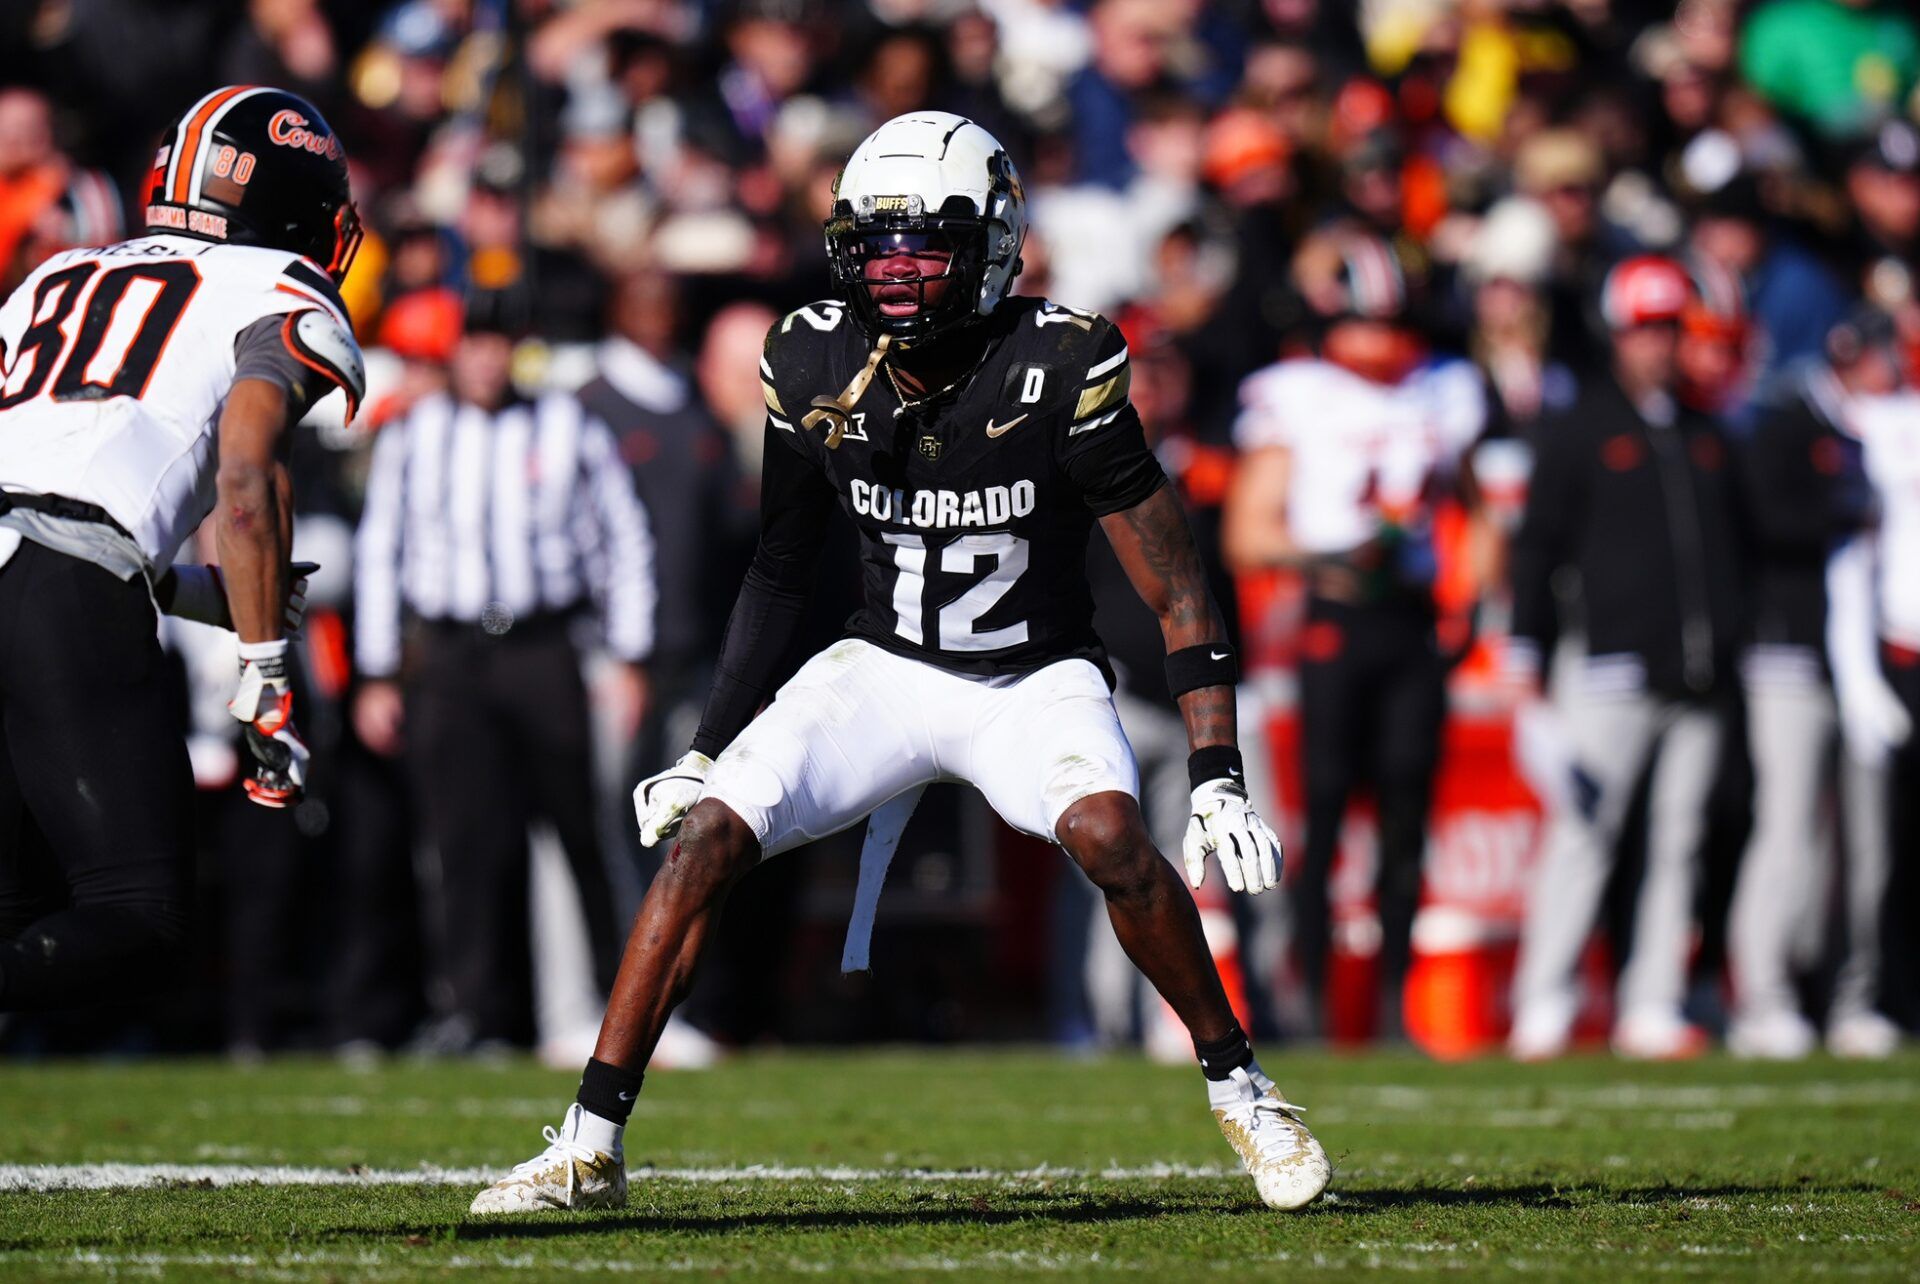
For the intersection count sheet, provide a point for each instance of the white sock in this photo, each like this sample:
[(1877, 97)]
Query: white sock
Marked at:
[(602, 1134), (1223, 1093)]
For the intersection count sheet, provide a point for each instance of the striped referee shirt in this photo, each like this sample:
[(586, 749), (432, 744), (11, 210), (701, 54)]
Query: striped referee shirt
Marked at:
[(486, 517)]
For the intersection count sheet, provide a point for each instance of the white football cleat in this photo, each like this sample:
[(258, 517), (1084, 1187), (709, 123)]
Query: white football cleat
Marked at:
[(683, 1046), (1863, 1036), (1779, 1035), (1542, 1031), (1656, 1035), (1288, 1167), (1166, 1041), (567, 1174)]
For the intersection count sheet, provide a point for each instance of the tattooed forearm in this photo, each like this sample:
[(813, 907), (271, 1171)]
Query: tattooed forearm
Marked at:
[(1155, 545), (1209, 716)]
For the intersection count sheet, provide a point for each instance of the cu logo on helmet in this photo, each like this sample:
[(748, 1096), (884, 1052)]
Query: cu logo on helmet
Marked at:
[(289, 129)]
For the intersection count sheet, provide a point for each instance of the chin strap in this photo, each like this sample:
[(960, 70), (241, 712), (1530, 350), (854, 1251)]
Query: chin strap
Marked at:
[(837, 412)]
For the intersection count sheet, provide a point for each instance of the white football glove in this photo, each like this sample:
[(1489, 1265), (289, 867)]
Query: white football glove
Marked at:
[(264, 703), (1226, 824), (661, 802), (1873, 721)]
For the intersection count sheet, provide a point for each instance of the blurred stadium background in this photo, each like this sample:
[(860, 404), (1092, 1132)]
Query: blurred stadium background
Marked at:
[(641, 182)]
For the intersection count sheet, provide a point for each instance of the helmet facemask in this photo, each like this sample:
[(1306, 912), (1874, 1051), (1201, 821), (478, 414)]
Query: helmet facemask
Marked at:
[(856, 238), (347, 234)]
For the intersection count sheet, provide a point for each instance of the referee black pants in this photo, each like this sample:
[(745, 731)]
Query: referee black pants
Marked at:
[(1900, 958), (497, 737), (96, 795), (1372, 700)]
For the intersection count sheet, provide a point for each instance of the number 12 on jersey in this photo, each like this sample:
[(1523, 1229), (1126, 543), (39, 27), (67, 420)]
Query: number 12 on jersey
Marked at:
[(955, 622), (116, 348)]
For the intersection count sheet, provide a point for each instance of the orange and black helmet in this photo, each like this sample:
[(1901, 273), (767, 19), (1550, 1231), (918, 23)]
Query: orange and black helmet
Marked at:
[(253, 165)]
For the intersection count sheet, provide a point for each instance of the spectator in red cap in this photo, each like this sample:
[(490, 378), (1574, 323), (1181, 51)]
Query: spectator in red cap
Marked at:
[(1632, 492), (1716, 354), (421, 328), (423, 325)]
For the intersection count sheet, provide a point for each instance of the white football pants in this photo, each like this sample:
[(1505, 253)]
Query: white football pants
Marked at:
[(858, 725)]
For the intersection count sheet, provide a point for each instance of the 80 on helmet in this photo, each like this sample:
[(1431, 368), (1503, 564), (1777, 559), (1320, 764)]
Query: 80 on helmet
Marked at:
[(252, 165), (928, 181)]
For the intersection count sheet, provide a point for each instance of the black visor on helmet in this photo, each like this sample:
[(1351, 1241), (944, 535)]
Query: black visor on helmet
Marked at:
[(883, 245)]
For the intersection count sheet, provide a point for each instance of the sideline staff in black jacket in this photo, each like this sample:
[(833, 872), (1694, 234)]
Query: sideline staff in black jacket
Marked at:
[(1637, 495), (1644, 506), (1806, 476)]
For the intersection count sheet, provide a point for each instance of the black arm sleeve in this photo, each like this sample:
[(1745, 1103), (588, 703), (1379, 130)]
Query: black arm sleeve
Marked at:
[(796, 505)]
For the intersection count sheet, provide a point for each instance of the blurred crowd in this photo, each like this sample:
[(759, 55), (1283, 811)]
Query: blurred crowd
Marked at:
[(1544, 356)]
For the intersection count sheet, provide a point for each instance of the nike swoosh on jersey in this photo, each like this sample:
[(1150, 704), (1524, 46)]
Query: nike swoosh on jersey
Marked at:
[(994, 429)]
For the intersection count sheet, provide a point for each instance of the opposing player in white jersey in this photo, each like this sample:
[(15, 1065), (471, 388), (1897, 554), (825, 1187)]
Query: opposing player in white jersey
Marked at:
[(139, 384), (1345, 456)]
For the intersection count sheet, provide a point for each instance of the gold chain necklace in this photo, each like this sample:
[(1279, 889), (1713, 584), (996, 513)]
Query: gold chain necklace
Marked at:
[(914, 403)]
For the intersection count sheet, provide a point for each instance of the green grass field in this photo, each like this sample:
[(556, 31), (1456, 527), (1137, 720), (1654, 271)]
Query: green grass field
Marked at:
[(968, 1164)]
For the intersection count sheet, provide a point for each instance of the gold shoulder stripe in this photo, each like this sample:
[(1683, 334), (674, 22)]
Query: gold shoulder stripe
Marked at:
[(1103, 395), (773, 398)]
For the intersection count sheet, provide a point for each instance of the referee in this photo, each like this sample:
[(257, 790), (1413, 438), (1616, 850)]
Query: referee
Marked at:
[(492, 526)]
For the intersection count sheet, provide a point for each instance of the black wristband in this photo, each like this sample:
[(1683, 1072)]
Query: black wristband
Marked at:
[(1215, 762), (1212, 664)]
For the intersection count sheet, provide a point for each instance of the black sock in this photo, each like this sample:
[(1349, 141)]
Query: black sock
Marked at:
[(608, 1090), (1220, 1057)]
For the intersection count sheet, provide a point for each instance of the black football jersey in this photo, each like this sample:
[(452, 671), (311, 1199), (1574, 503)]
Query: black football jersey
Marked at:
[(973, 508)]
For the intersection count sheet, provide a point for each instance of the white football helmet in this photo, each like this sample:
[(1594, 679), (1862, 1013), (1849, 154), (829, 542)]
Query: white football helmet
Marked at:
[(929, 178)]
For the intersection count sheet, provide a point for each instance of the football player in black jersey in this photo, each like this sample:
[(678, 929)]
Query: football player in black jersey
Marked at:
[(974, 439)]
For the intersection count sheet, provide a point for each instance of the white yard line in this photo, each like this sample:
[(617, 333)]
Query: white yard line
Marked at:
[(1494, 1107), (294, 1265), (110, 1176), (1407, 1257), (1629, 1096), (1410, 1257)]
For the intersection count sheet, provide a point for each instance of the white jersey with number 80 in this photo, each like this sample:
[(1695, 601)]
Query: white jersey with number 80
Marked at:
[(117, 362)]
